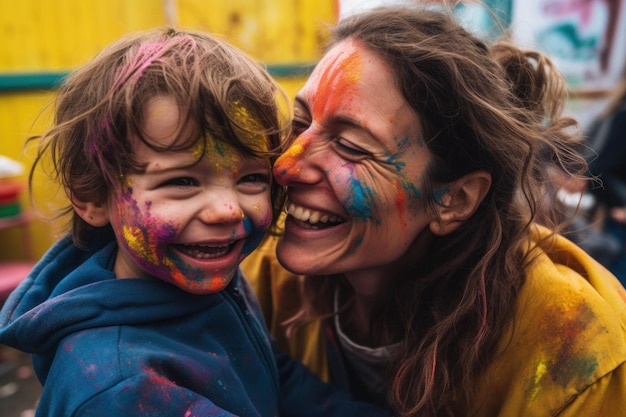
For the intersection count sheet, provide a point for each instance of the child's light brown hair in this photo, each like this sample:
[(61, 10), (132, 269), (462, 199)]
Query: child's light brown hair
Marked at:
[(222, 93)]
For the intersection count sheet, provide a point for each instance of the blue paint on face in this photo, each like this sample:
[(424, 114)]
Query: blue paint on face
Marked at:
[(393, 160), (359, 203), (402, 143), (255, 236), (413, 193)]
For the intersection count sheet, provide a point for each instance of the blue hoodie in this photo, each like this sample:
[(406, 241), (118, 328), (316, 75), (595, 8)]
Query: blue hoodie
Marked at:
[(103, 346)]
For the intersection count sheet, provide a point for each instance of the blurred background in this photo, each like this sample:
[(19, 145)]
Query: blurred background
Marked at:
[(42, 40)]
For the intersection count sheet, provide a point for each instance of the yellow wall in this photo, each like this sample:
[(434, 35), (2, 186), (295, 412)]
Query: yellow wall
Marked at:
[(41, 36)]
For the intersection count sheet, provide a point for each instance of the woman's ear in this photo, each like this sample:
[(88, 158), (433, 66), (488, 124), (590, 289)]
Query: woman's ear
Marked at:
[(95, 215), (461, 201)]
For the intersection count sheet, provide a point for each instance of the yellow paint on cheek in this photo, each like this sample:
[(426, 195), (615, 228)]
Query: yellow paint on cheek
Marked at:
[(136, 242)]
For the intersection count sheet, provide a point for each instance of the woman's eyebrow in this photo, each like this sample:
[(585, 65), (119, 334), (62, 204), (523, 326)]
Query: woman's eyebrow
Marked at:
[(340, 120), (302, 103)]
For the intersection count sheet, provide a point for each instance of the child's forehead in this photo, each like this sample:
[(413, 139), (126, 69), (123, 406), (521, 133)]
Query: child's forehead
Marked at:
[(188, 146), (210, 157), (163, 122), (164, 119)]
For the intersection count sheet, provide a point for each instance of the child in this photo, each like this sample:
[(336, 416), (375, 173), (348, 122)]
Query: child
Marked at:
[(163, 145)]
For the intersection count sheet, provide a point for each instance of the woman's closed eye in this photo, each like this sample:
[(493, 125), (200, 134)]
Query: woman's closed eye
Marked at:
[(350, 150), (298, 126)]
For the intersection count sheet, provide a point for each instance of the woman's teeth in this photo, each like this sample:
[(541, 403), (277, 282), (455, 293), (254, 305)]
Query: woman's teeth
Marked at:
[(311, 216)]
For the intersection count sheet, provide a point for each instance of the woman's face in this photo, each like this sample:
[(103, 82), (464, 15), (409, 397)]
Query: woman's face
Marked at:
[(353, 171)]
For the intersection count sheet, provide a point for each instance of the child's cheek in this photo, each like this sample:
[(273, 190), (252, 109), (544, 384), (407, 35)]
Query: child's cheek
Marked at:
[(143, 234), (256, 227)]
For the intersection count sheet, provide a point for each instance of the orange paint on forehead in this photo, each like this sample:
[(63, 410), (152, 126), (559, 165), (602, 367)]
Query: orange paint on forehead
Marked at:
[(337, 80)]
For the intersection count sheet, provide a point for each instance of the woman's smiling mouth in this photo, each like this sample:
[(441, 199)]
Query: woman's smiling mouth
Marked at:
[(312, 219)]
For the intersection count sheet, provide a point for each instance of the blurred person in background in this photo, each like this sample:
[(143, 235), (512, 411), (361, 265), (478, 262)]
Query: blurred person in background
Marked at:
[(607, 139)]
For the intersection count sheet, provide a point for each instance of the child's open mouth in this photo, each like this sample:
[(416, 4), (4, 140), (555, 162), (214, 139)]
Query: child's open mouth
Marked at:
[(205, 251)]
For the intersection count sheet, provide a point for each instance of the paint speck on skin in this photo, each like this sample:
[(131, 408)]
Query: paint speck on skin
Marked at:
[(400, 202), (218, 148), (355, 244), (393, 160)]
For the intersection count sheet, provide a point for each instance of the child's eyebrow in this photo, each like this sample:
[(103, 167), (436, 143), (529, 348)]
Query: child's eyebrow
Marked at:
[(174, 166)]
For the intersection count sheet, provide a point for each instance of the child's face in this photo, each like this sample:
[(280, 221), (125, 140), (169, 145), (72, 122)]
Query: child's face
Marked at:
[(189, 225)]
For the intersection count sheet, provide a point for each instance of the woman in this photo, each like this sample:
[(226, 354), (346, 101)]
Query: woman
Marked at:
[(414, 183)]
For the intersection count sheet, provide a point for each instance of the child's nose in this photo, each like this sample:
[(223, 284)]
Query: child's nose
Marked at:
[(221, 212)]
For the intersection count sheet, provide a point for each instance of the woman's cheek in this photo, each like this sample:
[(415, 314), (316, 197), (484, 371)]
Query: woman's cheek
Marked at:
[(355, 193)]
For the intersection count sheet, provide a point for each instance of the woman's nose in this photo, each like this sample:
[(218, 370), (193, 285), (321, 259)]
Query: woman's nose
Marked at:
[(291, 165)]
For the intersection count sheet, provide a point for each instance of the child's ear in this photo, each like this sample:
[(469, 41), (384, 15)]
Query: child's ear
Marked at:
[(95, 215), (461, 201)]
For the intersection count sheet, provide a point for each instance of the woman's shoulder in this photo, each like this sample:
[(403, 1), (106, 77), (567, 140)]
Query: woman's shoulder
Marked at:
[(568, 333)]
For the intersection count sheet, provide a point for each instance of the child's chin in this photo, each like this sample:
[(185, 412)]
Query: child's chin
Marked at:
[(206, 286)]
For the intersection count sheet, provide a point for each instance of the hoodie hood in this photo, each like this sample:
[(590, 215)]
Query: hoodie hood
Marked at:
[(71, 289)]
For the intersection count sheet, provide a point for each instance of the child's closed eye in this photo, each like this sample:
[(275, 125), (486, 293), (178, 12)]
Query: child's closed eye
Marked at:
[(180, 182), (255, 178)]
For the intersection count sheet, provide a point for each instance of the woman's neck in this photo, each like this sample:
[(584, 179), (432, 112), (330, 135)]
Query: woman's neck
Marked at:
[(371, 288), (369, 294)]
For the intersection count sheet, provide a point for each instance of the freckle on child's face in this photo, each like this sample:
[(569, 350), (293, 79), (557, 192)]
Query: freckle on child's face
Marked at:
[(189, 224)]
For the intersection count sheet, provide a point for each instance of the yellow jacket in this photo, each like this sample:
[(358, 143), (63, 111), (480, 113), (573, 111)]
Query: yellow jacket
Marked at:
[(563, 354)]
